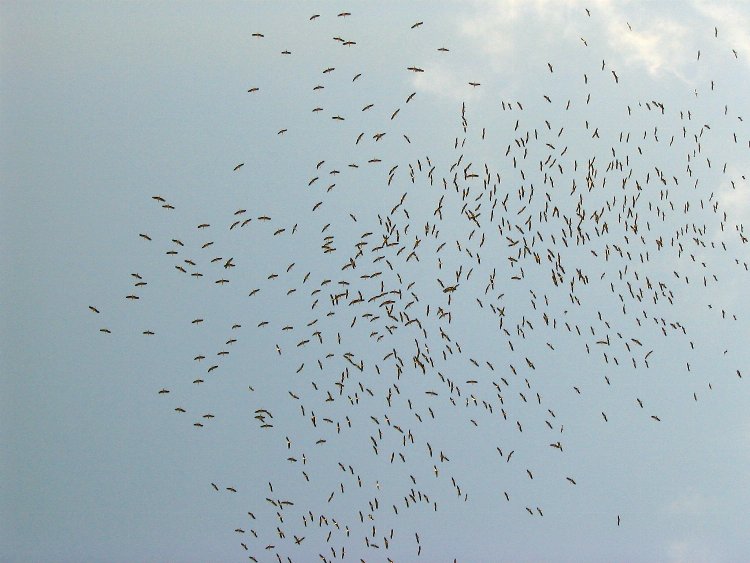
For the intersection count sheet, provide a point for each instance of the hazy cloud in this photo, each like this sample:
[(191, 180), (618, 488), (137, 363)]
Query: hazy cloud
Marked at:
[(690, 503), (690, 551)]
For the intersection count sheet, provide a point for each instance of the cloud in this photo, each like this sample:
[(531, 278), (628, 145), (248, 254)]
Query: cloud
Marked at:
[(651, 41), (734, 199), (655, 38), (689, 504), (690, 551), (439, 79), (506, 29), (732, 23)]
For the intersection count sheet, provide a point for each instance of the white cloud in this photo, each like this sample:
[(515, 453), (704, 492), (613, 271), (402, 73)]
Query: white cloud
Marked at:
[(440, 80), (734, 198), (733, 25), (653, 37), (658, 46), (500, 28)]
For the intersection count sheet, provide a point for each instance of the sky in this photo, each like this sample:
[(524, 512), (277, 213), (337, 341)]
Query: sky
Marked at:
[(581, 115)]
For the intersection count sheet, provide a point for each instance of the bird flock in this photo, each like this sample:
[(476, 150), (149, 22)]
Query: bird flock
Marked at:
[(419, 321)]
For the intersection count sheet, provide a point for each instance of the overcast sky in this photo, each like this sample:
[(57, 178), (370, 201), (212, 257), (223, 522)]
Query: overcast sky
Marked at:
[(106, 105)]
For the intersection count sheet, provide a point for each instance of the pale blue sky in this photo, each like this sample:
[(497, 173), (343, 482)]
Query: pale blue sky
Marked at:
[(104, 105)]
